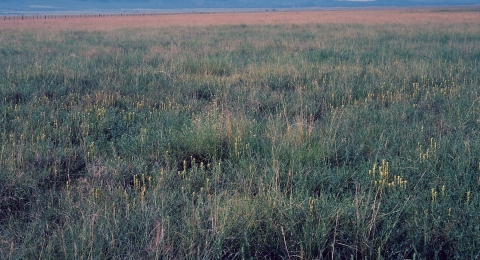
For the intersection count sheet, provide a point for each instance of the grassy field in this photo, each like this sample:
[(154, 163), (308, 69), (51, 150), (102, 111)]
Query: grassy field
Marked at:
[(295, 141)]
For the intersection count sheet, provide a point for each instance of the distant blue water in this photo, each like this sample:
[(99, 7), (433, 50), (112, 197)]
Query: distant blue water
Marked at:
[(32, 7)]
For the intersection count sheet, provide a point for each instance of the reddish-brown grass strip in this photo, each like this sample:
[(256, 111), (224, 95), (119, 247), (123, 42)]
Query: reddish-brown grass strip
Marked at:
[(402, 16)]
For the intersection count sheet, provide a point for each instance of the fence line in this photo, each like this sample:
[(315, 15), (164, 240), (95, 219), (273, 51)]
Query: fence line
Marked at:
[(72, 16)]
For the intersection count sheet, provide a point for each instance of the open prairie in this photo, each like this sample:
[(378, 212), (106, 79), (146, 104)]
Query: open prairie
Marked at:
[(388, 16), (280, 135)]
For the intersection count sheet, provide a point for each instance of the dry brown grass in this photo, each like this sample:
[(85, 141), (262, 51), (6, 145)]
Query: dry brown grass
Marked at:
[(402, 16)]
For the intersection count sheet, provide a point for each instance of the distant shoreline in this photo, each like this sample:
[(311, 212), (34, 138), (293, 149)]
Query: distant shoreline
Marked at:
[(147, 11)]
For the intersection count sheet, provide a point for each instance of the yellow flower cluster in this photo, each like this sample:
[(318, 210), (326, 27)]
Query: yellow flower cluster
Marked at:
[(381, 178)]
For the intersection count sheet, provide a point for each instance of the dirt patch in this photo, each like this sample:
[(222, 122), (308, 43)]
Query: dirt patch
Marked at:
[(402, 16)]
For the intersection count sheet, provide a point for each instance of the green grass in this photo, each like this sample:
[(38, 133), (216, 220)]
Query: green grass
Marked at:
[(281, 141)]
